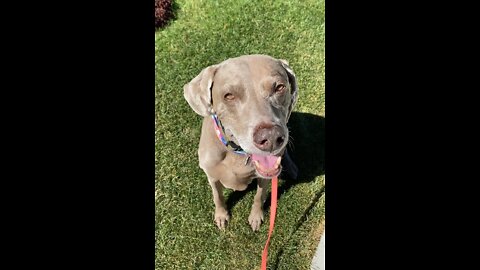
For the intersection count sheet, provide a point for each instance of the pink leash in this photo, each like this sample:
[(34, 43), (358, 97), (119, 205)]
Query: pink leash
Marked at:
[(273, 212)]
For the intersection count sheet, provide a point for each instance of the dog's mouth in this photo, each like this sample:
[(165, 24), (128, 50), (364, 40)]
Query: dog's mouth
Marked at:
[(267, 166)]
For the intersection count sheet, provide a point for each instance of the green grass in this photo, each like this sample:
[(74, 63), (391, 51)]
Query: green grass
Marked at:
[(205, 33)]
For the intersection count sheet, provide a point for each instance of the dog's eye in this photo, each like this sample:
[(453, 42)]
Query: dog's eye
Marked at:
[(229, 96), (280, 89)]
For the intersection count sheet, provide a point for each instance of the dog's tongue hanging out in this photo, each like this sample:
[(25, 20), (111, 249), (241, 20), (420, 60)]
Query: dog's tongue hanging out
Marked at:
[(267, 165)]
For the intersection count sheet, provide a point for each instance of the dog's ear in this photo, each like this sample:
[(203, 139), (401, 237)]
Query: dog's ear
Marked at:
[(198, 91), (285, 62), (292, 79)]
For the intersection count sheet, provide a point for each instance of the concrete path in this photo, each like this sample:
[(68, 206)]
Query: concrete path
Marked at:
[(318, 262)]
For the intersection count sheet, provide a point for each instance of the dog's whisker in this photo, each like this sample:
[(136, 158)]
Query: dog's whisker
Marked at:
[(290, 142)]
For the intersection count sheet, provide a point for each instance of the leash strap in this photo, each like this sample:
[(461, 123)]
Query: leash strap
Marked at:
[(220, 132), (273, 212)]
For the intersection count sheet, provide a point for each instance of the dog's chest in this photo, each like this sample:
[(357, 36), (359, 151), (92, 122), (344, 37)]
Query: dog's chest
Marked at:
[(241, 170), (239, 165)]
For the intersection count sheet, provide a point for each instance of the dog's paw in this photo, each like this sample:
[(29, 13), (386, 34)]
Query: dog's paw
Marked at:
[(221, 218), (255, 219)]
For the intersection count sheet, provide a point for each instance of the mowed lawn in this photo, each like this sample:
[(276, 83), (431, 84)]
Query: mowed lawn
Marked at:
[(205, 33)]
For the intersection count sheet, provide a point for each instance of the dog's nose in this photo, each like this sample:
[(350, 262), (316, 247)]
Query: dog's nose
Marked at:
[(268, 137)]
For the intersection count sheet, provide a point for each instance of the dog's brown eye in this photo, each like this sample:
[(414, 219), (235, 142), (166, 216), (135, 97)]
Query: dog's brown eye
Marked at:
[(279, 89), (229, 96)]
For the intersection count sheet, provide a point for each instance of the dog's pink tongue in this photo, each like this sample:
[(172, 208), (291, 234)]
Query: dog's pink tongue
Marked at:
[(267, 162)]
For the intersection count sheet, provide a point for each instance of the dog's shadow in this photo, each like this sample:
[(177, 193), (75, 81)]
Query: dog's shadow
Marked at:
[(307, 150)]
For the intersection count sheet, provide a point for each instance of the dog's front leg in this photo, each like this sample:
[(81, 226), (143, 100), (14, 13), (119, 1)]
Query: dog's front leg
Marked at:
[(256, 214), (221, 213)]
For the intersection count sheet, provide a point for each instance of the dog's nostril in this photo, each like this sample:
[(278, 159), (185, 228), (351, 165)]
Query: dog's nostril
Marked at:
[(263, 142), (280, 140)]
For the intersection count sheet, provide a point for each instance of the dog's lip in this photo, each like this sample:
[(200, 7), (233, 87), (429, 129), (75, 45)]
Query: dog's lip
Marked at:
[(254, 150)]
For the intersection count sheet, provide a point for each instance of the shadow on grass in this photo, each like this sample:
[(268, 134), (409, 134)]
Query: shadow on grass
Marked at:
[(307, 150)]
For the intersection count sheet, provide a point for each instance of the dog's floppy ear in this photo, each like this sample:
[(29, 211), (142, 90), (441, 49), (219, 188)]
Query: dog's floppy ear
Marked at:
[(292, 79), (198, 91)]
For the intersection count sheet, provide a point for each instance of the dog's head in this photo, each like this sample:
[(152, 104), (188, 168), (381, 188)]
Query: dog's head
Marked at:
[(253, 97)]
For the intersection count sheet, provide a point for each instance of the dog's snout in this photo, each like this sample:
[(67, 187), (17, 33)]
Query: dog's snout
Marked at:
[(268, 137)]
